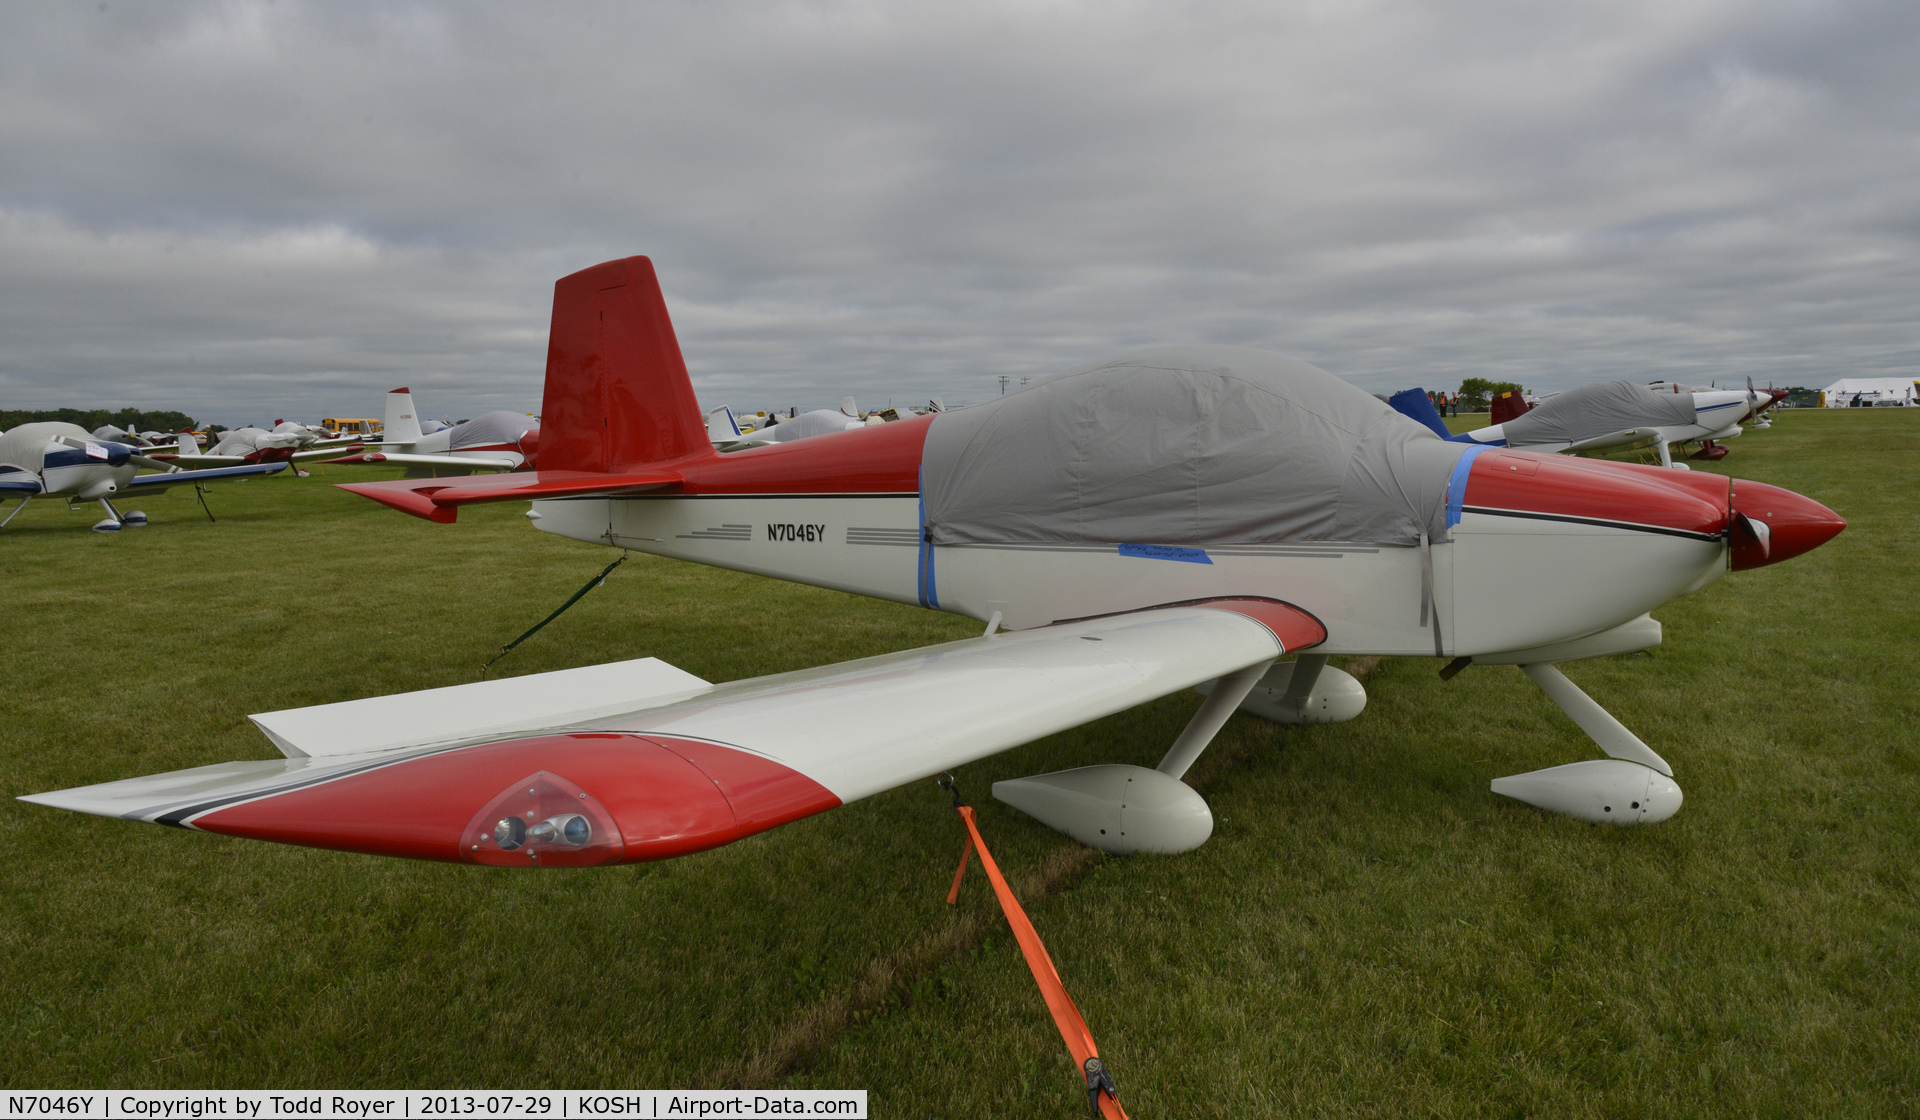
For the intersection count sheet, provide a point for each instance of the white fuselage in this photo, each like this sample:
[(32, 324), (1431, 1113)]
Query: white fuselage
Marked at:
[(1369, 597), (36, 450)]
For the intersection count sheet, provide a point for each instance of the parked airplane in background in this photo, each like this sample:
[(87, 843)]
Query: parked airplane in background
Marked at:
[(111, 434), (1219, 509), (1603, 416), (306, 437), (819, 422), (726, 433), (65, 460), (241, 446), (1759, 401), (491, 441)]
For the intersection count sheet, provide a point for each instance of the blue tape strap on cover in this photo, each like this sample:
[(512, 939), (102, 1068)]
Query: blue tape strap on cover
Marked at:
[(1166, 552), (1457, 485), (929, 595)]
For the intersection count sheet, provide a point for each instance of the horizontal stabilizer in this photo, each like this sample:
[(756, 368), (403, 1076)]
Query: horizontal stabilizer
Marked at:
[(177, 478), (538, 701), (469, 462), (439, 499)]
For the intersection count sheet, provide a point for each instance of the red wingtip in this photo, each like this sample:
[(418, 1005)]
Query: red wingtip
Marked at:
[(407, 498), (647, 798)]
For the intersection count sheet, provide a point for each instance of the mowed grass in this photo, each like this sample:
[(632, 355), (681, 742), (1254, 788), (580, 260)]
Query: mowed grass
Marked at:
[(1369, 932)]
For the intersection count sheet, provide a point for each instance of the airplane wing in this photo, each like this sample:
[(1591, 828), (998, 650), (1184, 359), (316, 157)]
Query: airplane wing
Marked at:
[(1628, 437), (473, 462), (15, 481), (319, 452), (476, 772), (202, 460), (439, 499), (175, 478)]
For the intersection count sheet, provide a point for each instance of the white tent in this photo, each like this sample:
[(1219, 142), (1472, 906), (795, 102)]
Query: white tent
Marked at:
[(1872, 391)]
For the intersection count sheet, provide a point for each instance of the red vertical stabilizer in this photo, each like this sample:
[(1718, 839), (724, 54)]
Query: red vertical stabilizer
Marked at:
[(617, 392)]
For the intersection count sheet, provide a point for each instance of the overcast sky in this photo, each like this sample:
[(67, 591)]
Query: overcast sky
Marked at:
[(253, 210)]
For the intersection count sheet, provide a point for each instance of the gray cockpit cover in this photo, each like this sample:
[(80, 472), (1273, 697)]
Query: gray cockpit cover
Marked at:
[(1598, 409), (489, 428), (1185, 445)]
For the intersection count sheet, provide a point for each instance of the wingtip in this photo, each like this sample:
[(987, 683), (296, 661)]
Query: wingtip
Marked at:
[(406, 498)]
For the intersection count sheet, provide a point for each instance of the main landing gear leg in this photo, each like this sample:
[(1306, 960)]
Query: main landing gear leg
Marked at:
[(1634, 785), (1126, 809), (24, 499), (1220, 704), (1305, 690), (113, 520)]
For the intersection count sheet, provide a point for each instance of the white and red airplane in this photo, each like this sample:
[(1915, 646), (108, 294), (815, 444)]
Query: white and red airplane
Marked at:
[(491, 441), (65, 460), (1139, 526), (288, 442)]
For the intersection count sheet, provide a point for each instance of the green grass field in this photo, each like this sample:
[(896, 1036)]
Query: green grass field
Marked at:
[(1370, 932)]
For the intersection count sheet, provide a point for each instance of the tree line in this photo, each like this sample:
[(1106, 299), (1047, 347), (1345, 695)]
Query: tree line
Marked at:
[(126, 419), (1476, 393)]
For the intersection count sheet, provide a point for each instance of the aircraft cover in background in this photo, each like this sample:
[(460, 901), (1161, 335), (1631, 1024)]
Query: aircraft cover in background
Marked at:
[(1603, 416)]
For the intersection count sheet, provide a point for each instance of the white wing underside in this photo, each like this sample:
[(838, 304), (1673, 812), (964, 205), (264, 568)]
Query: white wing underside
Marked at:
[(857, 728), (1625, 438)]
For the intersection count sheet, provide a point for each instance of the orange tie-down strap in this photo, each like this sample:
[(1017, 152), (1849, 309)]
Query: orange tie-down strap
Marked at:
[(1101, 1091)]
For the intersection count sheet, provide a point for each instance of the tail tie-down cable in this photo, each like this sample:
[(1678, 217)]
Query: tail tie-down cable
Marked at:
[(1102, 1093), (596, 581)]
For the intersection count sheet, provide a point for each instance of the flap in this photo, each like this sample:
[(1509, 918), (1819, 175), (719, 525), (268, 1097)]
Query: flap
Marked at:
[(475, 462), (538, 701)]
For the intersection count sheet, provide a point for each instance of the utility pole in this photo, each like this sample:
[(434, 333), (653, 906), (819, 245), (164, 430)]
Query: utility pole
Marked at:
[(1003, 384)]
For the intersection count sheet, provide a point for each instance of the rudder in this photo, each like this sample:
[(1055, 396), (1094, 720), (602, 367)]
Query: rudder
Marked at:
[(402, 424), (617, 391), (1508, 405), (1415, 405)]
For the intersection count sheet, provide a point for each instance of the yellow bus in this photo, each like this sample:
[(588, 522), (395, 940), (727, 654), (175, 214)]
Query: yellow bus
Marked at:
[(351, 425)]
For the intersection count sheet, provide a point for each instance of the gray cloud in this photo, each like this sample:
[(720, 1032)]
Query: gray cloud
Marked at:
[(256, 210)]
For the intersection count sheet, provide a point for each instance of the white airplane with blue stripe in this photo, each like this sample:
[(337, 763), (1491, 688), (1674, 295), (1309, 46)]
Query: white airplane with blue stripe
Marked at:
[(1604, 416), (66, 460)]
